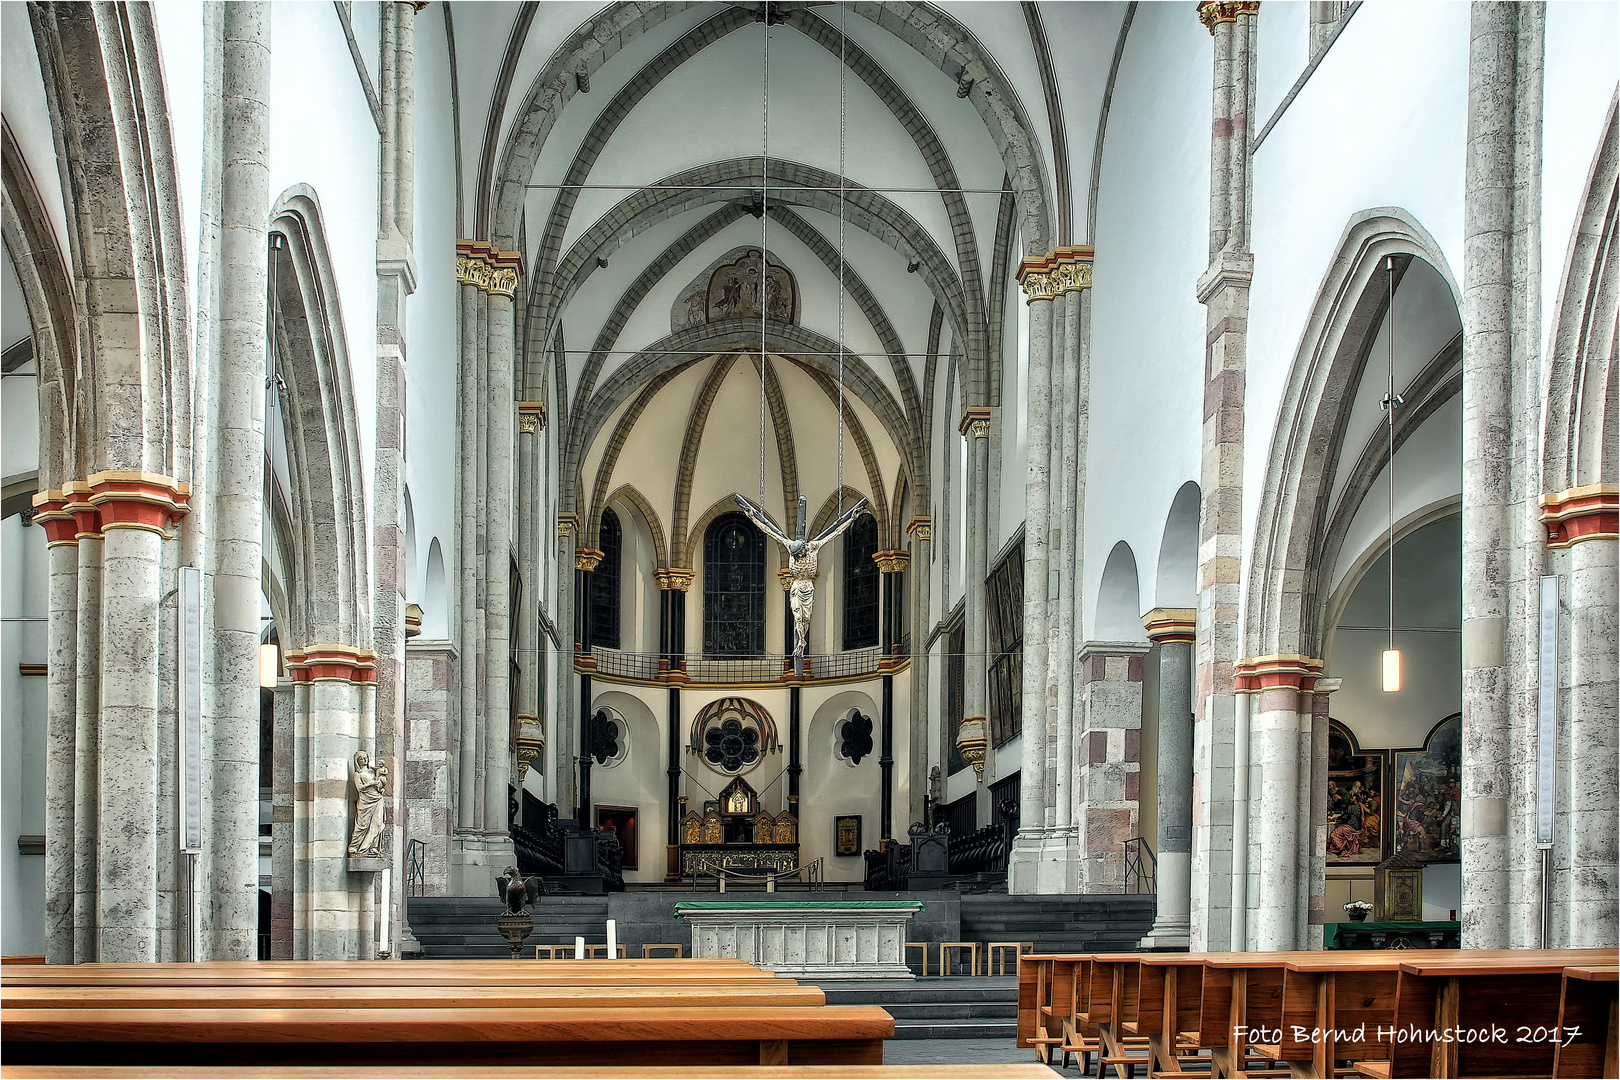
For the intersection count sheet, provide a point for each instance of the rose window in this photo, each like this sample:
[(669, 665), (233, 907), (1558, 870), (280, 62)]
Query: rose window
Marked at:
[(731, 746)]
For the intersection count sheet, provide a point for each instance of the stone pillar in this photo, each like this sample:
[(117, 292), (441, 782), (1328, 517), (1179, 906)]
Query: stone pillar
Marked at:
[(433, 741), (136, 510), (1173, 630), (1313, 856), (62, 633), (921, 531), (1582, 524), (1108, 787), (396, 281), (1066, 556), (531, 462), (1224, 292), (471, 271), (283, 849), (1281, 706), (586, 561), (673, 583), (973, 739), (235, 494), (497, 510), (86, 719), (1500, 866), (562, 708)]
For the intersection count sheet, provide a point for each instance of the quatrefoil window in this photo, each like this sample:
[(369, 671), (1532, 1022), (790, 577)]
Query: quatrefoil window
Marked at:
[(731, 746)]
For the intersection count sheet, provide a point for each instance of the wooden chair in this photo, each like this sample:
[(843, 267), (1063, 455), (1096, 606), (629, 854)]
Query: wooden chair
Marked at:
[(948, 947), (647, 950), (996, 953), (553, 952), (923, 945), (1587, 1006)]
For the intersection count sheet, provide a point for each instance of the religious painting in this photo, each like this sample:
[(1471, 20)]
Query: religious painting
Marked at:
[(621, 822), (741, 291), (1428, 796), (1355, 801), (847, 835)]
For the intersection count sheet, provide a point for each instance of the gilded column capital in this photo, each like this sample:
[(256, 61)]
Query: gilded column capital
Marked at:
[(482, 266), (1212, 12), (586, 559), (972, 742), (892, 562), (920, 528), (531, 417), (567, 524), (505, 269), (1063, 270), (673, 578), (975, 421)]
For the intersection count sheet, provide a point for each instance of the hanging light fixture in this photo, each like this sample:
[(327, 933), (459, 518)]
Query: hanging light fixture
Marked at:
[(269, 665), (1392, 655)]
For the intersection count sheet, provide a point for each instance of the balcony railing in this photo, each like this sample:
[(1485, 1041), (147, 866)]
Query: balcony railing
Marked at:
[(696, 668)]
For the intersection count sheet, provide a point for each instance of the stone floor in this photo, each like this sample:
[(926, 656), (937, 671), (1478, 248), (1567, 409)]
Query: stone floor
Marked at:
[(965, 1052)]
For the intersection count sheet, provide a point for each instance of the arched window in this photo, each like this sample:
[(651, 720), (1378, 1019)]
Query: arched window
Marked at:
[(605, 584), (860, 584), (733, 587)]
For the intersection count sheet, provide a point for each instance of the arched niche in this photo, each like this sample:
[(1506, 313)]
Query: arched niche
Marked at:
[(1176, 583), (435, 596), (1119, 608)]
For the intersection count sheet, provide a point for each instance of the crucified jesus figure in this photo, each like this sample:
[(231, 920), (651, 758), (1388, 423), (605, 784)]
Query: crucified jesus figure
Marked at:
[(801, 562)]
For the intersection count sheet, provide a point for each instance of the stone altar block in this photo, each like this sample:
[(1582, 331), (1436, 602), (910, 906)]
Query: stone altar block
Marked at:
[(850, 939)]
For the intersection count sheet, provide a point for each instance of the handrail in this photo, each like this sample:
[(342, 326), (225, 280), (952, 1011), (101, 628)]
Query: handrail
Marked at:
[(416, 867), (762, 669), (1141, 876), (811, 873)]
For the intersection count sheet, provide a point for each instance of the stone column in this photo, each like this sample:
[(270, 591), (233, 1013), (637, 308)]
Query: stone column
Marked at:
[(1281, 707), (1108, 787), (136, 510), (673, 583), (497, 510), (1224, 292), (1582, 524), (1500, 866), (471, 272), (531, 421), (235, 494), (1173, 630), (973, 739), (62, 643), (1066, 553), (586, 561), (434, 747), (1024, 861), (562, 706), (86, 719), (1313, 850), (921, 531), (283, 848)]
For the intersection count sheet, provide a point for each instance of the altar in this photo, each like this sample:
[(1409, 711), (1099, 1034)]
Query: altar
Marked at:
[(849, 939), (733, 833)]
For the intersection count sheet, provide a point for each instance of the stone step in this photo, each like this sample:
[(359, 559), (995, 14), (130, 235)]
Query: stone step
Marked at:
[(955, 1029)]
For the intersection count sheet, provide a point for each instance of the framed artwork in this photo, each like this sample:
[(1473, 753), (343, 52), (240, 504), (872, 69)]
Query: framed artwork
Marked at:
[(847, 835), (1355, 801), (620, 820), (1428, 796)]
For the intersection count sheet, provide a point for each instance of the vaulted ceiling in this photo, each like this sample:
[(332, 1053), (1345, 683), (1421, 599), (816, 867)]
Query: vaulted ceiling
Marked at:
[(914, 151)]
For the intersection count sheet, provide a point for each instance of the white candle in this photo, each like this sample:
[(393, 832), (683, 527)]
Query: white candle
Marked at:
[(579, 948), (613, 939)]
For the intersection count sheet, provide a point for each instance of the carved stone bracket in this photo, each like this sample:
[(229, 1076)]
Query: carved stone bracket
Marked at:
[(332, 663), (1583, 513), (972, 741), (1171, 624), (892, 562), (567, 524), (531, 417), (587, 559), (921, 528), (482, 266), (673, 579), (1285, 672), (975, 422)]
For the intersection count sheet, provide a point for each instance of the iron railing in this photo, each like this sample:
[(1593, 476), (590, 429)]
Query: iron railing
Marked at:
[(416, 867), (810, 874), (734, 670), (1141, 868)]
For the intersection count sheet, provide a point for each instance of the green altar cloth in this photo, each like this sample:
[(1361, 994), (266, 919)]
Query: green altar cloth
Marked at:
[(1330, 931)]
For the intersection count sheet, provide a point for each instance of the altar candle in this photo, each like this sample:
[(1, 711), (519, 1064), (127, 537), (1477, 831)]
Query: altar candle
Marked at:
[(579, 948), (613, 939)]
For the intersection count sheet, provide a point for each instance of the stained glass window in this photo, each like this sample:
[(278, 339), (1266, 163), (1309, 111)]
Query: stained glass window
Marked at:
[(733, 587), (860, 584), (605, 584)]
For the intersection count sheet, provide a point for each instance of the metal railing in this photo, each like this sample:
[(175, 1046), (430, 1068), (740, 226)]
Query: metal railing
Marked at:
[(1141, 868), (810, 874), (732, 670), (416, 867)]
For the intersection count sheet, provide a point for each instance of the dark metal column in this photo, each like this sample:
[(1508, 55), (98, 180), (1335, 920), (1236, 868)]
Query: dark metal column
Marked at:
[(795, 767)]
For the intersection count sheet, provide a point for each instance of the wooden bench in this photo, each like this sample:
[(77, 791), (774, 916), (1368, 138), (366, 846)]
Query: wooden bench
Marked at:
[(1493, 1000), (1111, 1003), (1587, 1008), (1169, 995), (391, 973), (524, 1071), (472, 1038), (754, 993)]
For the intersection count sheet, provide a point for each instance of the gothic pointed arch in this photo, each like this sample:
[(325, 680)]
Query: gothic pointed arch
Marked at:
[(326, 493), (734, 587), (1286, 602)]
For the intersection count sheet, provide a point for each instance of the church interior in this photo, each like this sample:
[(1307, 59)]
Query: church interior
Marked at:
[(1097, 453)]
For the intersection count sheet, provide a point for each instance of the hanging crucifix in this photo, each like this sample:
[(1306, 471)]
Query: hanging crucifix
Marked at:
[(801, 562)]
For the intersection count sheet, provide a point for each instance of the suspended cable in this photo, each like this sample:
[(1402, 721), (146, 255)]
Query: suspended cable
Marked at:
[(764, 227), (842, 195), (1392, 658)]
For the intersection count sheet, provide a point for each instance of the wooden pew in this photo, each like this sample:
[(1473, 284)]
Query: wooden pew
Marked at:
[(467, 1037), (394, 973), (525, 1071), (1169, 995), (1587, 1007), (1502, 1007), (754, 993), (1111, 1004)]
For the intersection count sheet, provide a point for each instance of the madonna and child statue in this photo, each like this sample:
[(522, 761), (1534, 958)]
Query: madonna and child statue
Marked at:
[(801, 562)]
